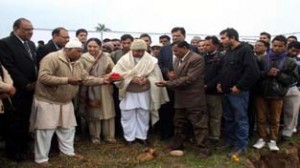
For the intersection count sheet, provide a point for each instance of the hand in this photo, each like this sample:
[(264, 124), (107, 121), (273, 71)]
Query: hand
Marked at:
[(106, 80), (74, 81), (161, 83), (219, 88), (11, 91), (4, 95), (171, 74), (273, 72), (235, 90), (143, 81), (136, 80), (30, 86)]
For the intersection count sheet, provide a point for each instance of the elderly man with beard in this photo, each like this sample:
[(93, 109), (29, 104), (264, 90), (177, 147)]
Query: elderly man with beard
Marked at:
[(52, 110), (139, 96)]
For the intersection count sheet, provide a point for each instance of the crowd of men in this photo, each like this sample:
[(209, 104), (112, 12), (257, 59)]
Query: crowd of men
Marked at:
[(211, 90)]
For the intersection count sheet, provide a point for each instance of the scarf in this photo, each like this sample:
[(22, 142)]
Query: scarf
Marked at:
[(146, 67)]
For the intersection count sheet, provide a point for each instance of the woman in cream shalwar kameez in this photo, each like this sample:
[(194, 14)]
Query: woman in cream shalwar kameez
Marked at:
[(99, 105), (140, 98)]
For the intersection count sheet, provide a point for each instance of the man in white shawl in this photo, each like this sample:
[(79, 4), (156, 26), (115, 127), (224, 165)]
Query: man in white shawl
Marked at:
[(140, 97)]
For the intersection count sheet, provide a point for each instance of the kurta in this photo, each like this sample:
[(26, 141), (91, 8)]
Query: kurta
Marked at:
[(53, 91), (99, 98), (146, 67)]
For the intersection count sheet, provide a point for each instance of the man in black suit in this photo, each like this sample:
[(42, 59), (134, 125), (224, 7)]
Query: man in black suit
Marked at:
[(60, 37), (165, 61), (19, 58)]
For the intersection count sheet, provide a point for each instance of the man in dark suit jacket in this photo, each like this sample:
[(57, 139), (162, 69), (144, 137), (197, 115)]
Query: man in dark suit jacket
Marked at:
[(19, 58), (60, 37), (165, 61), (188, 86)]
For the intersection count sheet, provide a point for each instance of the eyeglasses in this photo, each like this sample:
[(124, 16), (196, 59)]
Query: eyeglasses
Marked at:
[(65, 37), (27, 29)]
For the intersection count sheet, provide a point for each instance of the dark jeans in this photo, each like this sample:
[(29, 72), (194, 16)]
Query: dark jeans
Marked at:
[(235, 115)]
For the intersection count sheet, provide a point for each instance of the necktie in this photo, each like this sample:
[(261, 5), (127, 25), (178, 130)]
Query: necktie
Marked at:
[(28, 49)]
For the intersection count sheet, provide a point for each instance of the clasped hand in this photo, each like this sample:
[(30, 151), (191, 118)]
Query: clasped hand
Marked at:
[(140, 80)]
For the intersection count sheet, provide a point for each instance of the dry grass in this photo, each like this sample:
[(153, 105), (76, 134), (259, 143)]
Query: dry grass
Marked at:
[(122, 156)]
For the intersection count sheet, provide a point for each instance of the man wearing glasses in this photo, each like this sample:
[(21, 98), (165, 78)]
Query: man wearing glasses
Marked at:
[(19, 58), (60, 37)]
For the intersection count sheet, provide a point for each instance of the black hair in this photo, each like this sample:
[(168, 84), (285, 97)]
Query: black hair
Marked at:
[(176, 29), (214, 39), (115, 39), (294, 37), (80, 31), (18, 22), (266, 44), (266, 34), (280, 38), (231, 33), (106, 40), (126, 36), (165, 36), (145, 35), (181, 44), (96, 40), (294, 44), (57, 30)]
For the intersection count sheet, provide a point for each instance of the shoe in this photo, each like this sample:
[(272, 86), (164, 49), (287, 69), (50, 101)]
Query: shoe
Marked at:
[(204, 153), (111, 141), (272, 146), (145, 142), (15, 157), (237, 152), (129, 143), (96, 141), (259, 144), (285, 138), (44, 164), (295, 130)]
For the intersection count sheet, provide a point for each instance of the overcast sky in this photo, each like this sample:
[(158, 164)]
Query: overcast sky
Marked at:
[(249, 17)]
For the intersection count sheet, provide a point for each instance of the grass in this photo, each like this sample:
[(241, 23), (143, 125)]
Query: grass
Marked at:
[(121, 156)]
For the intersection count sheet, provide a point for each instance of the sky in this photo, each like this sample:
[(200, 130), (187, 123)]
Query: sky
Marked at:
[(248, 17)]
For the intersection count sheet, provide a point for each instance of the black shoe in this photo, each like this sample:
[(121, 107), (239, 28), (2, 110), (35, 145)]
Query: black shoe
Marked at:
[(16, 157), (129, 143), (237, 152), (145, 142)]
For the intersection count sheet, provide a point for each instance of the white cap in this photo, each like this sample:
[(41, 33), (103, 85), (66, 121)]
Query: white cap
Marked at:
[(156, 45), (74, 43)]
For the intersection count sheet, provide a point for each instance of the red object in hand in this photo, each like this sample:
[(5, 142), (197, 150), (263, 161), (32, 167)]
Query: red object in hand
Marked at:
[(115, 76)]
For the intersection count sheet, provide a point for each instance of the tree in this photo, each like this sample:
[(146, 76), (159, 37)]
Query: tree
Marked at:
[(101, 28)]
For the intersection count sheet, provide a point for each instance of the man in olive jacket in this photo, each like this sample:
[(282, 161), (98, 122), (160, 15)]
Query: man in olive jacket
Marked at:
[(59, 78)]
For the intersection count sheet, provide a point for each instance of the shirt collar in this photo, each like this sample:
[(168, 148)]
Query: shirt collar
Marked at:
[(22, 41), (182, 59)]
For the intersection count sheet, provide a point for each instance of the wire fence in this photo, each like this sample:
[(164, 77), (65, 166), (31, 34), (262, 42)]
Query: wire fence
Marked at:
[(45, 35)]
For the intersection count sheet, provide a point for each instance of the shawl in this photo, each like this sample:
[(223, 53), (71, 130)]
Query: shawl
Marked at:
[(146, 67)]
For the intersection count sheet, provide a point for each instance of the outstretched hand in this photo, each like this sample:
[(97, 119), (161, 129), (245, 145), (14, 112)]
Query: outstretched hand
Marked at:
[(161, 83)]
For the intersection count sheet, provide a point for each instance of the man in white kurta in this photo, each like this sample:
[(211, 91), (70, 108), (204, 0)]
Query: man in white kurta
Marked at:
[(140, 98), (52, 110)]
